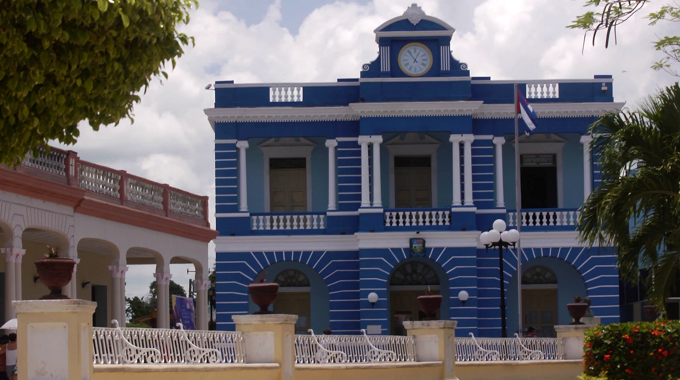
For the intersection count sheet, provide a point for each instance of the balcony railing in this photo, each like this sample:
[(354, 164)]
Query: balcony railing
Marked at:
[(116, 186), (417, 217), (324, 349), (288, 221), (508, 349), (164, 346), (545, 218)]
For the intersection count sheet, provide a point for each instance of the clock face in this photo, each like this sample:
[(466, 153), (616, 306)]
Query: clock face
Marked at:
[(415, 59)]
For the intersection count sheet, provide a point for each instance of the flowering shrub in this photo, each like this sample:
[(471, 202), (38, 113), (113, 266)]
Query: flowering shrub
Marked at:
[(634, 350)]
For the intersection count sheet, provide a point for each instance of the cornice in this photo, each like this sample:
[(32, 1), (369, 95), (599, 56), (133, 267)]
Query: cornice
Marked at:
[(280, 114), (353, 112), (121, 214), (396, 109), (550, 110), (38, 188)]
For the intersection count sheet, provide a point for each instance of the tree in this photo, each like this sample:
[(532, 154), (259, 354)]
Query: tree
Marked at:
[(63, 62), (637, 206), (137, 307), (612, 13), (175, 290)]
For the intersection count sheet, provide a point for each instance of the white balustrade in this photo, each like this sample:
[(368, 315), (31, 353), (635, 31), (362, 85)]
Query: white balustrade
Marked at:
[(545, 218), (186, 204), (417, 218), (53, 162), (311, 349), (144, 192), (543, 90), (508, 349), (281, 94), (288, 222), (98, 180), (163, 346)]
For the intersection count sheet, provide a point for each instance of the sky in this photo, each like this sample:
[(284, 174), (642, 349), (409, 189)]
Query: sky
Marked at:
[(265, 41)]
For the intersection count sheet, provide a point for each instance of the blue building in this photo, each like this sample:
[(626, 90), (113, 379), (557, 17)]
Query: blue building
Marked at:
[(321, 187)]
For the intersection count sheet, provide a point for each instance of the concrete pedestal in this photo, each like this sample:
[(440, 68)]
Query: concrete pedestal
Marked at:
[(435, 341), (54, 339), (269, 338), (572, 336)]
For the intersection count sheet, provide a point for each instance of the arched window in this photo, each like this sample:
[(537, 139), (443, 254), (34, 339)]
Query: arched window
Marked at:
[(414, 273), (539, 275), (291, 278)]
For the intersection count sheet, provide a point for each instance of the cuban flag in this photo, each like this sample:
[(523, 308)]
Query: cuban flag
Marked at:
[(528, 114)]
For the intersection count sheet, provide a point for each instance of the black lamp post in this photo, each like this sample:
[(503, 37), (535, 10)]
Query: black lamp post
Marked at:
[(499, 237)]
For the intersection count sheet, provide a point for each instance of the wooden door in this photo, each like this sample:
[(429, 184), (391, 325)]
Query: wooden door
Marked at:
[(297, 303), (540, 310), (287, 184), (412, 182)]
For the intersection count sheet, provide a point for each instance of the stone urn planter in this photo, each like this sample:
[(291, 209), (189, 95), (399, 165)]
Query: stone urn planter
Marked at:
[(430, 305), (577, 310), (650, 312), (263, 295), (55, 272)]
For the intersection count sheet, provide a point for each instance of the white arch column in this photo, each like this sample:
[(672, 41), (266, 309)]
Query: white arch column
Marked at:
[(587, 167), (467, 162), (365, 185), (202, 287), (162, 299), (242, 176), (118, 292), (11, 285), (455, 145), (377, 185), (500, 196)]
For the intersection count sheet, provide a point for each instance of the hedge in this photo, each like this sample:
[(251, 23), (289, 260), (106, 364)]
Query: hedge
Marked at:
[(633, 350)]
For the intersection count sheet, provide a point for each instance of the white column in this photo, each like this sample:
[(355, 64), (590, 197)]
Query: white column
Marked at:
[(500, 197), (73, 285), (162, 301), (118, 292), (377, 186), (587, 167), (455, 141), (202, 287), (242, 177), (365, 188), (17, 273), (467, 156), (332, 164), (122, 293), (11, 255)]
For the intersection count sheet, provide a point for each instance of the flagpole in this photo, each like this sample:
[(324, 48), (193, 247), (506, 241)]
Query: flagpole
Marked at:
[(518, 215)]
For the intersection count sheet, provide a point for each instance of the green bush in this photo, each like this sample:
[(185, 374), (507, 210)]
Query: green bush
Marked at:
[(135, 324), (634, 350)]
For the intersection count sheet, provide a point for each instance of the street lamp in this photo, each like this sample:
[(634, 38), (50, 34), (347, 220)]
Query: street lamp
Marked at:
[(499, 237), (372, 298)]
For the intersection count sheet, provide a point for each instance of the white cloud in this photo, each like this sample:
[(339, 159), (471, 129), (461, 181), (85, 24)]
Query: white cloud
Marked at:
[(171, 141)]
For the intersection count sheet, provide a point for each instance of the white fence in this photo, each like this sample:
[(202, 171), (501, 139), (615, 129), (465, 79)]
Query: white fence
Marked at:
[(543, 90), (288, 222), (322, 349), (285, 94), (165, 346), (508, 349), (53, 162), (417, 218), (545, 218), (99, 180)]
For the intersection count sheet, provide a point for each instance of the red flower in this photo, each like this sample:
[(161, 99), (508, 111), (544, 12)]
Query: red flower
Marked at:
[(665, 353), (607, 357), (628, 370), (632, 352)]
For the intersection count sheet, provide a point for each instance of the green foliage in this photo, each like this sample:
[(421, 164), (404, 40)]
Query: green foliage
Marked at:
[(613, 13), (65, 61), (139, 325), (634, 350), (137, 307), (640, 169)]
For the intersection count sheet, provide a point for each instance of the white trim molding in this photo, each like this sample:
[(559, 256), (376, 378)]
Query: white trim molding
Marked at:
[(280, 114), (394, 109), (550, 110), (412, 145), (287, 147)]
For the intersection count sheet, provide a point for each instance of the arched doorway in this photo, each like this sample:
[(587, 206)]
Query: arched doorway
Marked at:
[(294, 297), (539, 300), (408, 281)]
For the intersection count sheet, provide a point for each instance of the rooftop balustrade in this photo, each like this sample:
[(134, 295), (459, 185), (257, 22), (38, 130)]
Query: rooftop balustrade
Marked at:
[(116, 186), (537, 219), (434, 218)]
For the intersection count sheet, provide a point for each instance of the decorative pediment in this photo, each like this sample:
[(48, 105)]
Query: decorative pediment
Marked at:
[(286, 142), (414, 13), (412, 138)]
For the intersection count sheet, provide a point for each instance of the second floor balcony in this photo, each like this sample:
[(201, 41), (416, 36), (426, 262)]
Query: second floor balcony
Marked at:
[(400, 181)]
